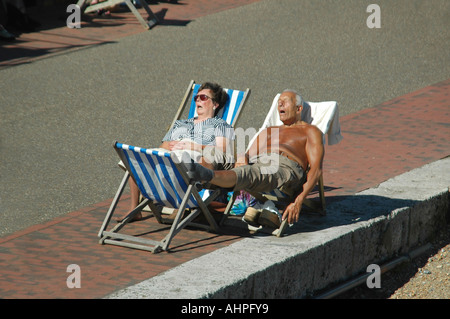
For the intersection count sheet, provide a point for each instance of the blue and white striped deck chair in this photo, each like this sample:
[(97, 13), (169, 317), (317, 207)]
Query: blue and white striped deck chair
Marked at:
[(161, 179), (159, 187), (325, 115)]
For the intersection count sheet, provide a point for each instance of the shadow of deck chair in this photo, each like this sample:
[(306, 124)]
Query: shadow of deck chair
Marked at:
[(147, 24), (324, 115), (160, 182)]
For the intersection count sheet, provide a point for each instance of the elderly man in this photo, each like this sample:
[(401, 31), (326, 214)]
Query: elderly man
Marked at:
[(289, 156)]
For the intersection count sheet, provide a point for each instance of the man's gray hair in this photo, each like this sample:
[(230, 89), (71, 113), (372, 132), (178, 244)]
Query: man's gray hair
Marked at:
[(298, 98)]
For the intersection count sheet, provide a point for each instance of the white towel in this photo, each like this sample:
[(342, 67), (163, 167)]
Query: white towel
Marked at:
[(324, 115)]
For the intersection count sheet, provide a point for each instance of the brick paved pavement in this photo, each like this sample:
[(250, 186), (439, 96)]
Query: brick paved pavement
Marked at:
[(379, 143), (392, 138)]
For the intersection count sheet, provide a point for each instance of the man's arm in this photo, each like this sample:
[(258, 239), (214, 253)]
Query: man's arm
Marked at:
[(315, 152)]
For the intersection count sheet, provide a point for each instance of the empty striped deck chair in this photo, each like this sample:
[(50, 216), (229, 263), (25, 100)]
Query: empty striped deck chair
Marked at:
[(152, 20), (325, 115), (159, 176)]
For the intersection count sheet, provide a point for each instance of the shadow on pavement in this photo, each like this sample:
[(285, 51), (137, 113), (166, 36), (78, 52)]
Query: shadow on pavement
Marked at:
[(349, 209), (51, 36)]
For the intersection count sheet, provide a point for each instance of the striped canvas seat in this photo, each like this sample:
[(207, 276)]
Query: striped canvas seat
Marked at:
[(156, 175), (160, 177)]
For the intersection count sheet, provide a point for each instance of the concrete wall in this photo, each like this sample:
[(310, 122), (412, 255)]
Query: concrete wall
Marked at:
[(370, 227)]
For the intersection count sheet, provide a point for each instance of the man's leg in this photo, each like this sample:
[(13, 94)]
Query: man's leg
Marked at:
[(199, 173), (225, 179)]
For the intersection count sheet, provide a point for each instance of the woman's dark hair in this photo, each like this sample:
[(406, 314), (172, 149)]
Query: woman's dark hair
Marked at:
[(218, 94)]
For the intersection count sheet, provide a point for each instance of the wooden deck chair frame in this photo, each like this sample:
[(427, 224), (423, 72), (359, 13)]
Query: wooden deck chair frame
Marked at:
[(238, 100), (147, 24), (321, 114)]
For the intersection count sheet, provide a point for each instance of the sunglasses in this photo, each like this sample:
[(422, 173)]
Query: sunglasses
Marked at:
[(203, 97)]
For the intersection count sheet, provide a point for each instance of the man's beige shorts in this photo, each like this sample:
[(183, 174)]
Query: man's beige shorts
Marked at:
[(270, 171)]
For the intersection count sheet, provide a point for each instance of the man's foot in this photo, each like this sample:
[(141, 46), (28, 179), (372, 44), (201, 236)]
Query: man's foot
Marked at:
[(251, 216), (269, 219), (197, 172)]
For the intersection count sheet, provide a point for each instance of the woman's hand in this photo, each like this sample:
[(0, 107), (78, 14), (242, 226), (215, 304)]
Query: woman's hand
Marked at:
[(172, 145), (183, 145)]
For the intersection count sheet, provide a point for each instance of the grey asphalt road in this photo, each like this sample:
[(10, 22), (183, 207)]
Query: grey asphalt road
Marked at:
[(59, 116)]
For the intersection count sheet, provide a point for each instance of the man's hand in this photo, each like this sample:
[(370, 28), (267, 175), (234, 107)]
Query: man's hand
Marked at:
[(292, 212)]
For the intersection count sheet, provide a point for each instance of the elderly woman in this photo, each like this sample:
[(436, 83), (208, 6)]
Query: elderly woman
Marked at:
[(206, 134), (208, 139)]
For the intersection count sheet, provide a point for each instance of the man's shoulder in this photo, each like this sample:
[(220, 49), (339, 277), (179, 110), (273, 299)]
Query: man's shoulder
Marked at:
[(313, 128), (314, 131), (311, 132), (308, 128)]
